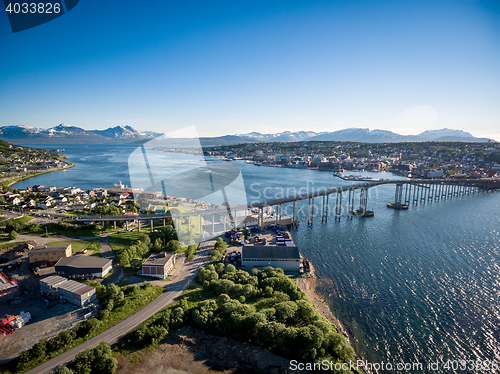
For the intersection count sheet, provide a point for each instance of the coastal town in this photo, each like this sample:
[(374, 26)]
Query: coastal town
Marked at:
[(419, 160), (53, 272), (66, 267)]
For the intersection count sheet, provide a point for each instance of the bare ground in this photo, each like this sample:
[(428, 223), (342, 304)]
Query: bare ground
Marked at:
[(188, 350)]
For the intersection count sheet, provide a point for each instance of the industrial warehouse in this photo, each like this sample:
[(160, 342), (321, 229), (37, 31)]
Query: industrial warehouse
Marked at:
[(74, 292), (83, 267)]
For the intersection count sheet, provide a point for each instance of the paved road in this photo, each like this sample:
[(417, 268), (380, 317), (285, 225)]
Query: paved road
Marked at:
[(173, 290)]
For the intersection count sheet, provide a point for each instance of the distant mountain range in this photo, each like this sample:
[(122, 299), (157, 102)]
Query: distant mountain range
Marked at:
[(126, 134), (71, 134), (348, 135)]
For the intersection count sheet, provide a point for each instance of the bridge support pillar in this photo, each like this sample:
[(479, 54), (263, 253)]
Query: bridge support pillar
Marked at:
[(126, 225), (338, 206), (312, 211), (139, 225), (398, 194), (309, 216), (324, 212), (363, 201), (425, 189), (114, 222), (350, 203), (164, 222)]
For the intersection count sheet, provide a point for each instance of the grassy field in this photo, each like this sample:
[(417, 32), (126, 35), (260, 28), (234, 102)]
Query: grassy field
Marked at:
[(23, 219), (53, 230), (3, 246), (123, 239), (78, 245), (4, 239)]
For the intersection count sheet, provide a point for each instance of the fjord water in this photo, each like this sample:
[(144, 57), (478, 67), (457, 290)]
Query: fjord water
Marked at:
[(421, 285)]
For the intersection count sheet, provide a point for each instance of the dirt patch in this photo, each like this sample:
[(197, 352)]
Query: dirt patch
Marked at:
[(193, 351)]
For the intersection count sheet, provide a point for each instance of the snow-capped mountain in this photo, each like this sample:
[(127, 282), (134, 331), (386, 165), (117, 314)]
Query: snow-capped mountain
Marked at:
[(360, 135), (444, 134), (286, 136), (121, 132), (70, 134)]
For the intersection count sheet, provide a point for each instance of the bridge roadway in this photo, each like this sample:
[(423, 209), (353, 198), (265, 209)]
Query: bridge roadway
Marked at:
[(316, 193)]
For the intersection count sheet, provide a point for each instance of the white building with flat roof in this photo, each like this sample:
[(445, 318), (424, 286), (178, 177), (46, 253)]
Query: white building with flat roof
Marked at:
[(284, 257)]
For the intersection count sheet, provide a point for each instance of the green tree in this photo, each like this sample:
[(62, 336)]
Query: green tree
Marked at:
[(157, 245), (63, 370), (230, 268), (173, 246), (222, 299)]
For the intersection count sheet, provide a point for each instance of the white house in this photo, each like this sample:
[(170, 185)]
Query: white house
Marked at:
[(45, 202), (61, 200), (13, 200)]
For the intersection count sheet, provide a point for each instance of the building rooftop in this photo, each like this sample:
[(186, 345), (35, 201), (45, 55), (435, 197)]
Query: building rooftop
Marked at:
[(75, 287), (270, 252), (53, 280), (158, 260), (51, 248), (82, 261)]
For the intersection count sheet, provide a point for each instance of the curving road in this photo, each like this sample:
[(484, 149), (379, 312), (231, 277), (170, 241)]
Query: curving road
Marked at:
[(112, 335)]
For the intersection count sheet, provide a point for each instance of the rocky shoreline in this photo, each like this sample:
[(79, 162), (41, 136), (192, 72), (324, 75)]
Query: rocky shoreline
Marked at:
[(308, 285)]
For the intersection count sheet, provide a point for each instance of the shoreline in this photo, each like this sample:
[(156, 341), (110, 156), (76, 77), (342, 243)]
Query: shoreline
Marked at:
[(308, 285), (71, 165)]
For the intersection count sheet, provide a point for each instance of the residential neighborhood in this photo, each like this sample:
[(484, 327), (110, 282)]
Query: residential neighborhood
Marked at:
[(420, 160)]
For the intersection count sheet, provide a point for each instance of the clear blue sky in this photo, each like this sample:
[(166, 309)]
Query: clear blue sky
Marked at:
[(238, 66)]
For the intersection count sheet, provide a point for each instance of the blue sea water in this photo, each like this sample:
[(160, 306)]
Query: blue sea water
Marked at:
[(416, 286)]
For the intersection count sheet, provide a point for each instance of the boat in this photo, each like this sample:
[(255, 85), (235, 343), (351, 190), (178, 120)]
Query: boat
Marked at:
[(397, 206), (257, 164), (363, 213)]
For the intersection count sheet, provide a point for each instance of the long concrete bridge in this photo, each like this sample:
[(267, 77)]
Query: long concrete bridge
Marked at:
[(408, 191)]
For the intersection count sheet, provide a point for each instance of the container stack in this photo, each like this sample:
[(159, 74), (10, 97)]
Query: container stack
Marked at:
[(20, 320)]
